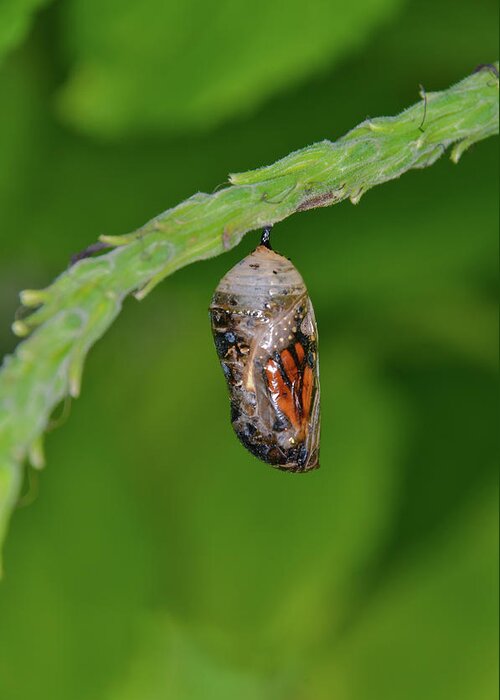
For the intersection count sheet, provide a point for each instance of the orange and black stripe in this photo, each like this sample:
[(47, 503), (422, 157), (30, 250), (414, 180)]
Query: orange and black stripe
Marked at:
[(290, 380)]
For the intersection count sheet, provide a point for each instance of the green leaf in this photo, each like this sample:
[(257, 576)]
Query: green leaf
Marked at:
[(158, 66), (22, 132), (16, 17), (432, 630), (171, 664)]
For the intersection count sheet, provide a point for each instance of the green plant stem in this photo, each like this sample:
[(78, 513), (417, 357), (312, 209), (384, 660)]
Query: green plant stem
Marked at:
[(74, 311)]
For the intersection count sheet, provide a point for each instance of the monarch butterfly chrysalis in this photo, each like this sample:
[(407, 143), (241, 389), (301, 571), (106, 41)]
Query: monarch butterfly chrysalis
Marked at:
[(267, 341)]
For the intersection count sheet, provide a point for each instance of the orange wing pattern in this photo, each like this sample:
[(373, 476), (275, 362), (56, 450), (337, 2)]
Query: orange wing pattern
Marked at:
[(291, 381)]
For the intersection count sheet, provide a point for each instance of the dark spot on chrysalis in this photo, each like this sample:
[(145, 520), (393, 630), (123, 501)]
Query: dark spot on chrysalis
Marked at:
[(220, 318), (302, 455), (259, 449), (275, 455), (235, 412), (249, 429), (224, 342), (280, 424)]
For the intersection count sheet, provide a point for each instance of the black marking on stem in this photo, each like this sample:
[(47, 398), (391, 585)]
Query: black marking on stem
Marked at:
[(88, 251), (487, 66), (424, 97), (320, 200)]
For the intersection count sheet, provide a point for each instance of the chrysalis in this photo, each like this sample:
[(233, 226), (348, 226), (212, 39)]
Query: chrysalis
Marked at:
[(266, 337)]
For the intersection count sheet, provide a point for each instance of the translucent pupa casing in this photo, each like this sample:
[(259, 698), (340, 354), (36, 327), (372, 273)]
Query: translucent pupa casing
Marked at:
[(267, 341)]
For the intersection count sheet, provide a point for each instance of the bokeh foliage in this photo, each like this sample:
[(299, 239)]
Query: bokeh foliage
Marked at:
[(161, 560), (202, 63), (15, 22)]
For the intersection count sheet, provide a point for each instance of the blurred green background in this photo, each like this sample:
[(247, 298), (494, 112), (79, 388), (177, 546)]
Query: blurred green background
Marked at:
[(159, 560)]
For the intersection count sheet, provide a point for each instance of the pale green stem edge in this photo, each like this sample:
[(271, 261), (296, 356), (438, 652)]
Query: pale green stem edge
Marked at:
[(78, 307)]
